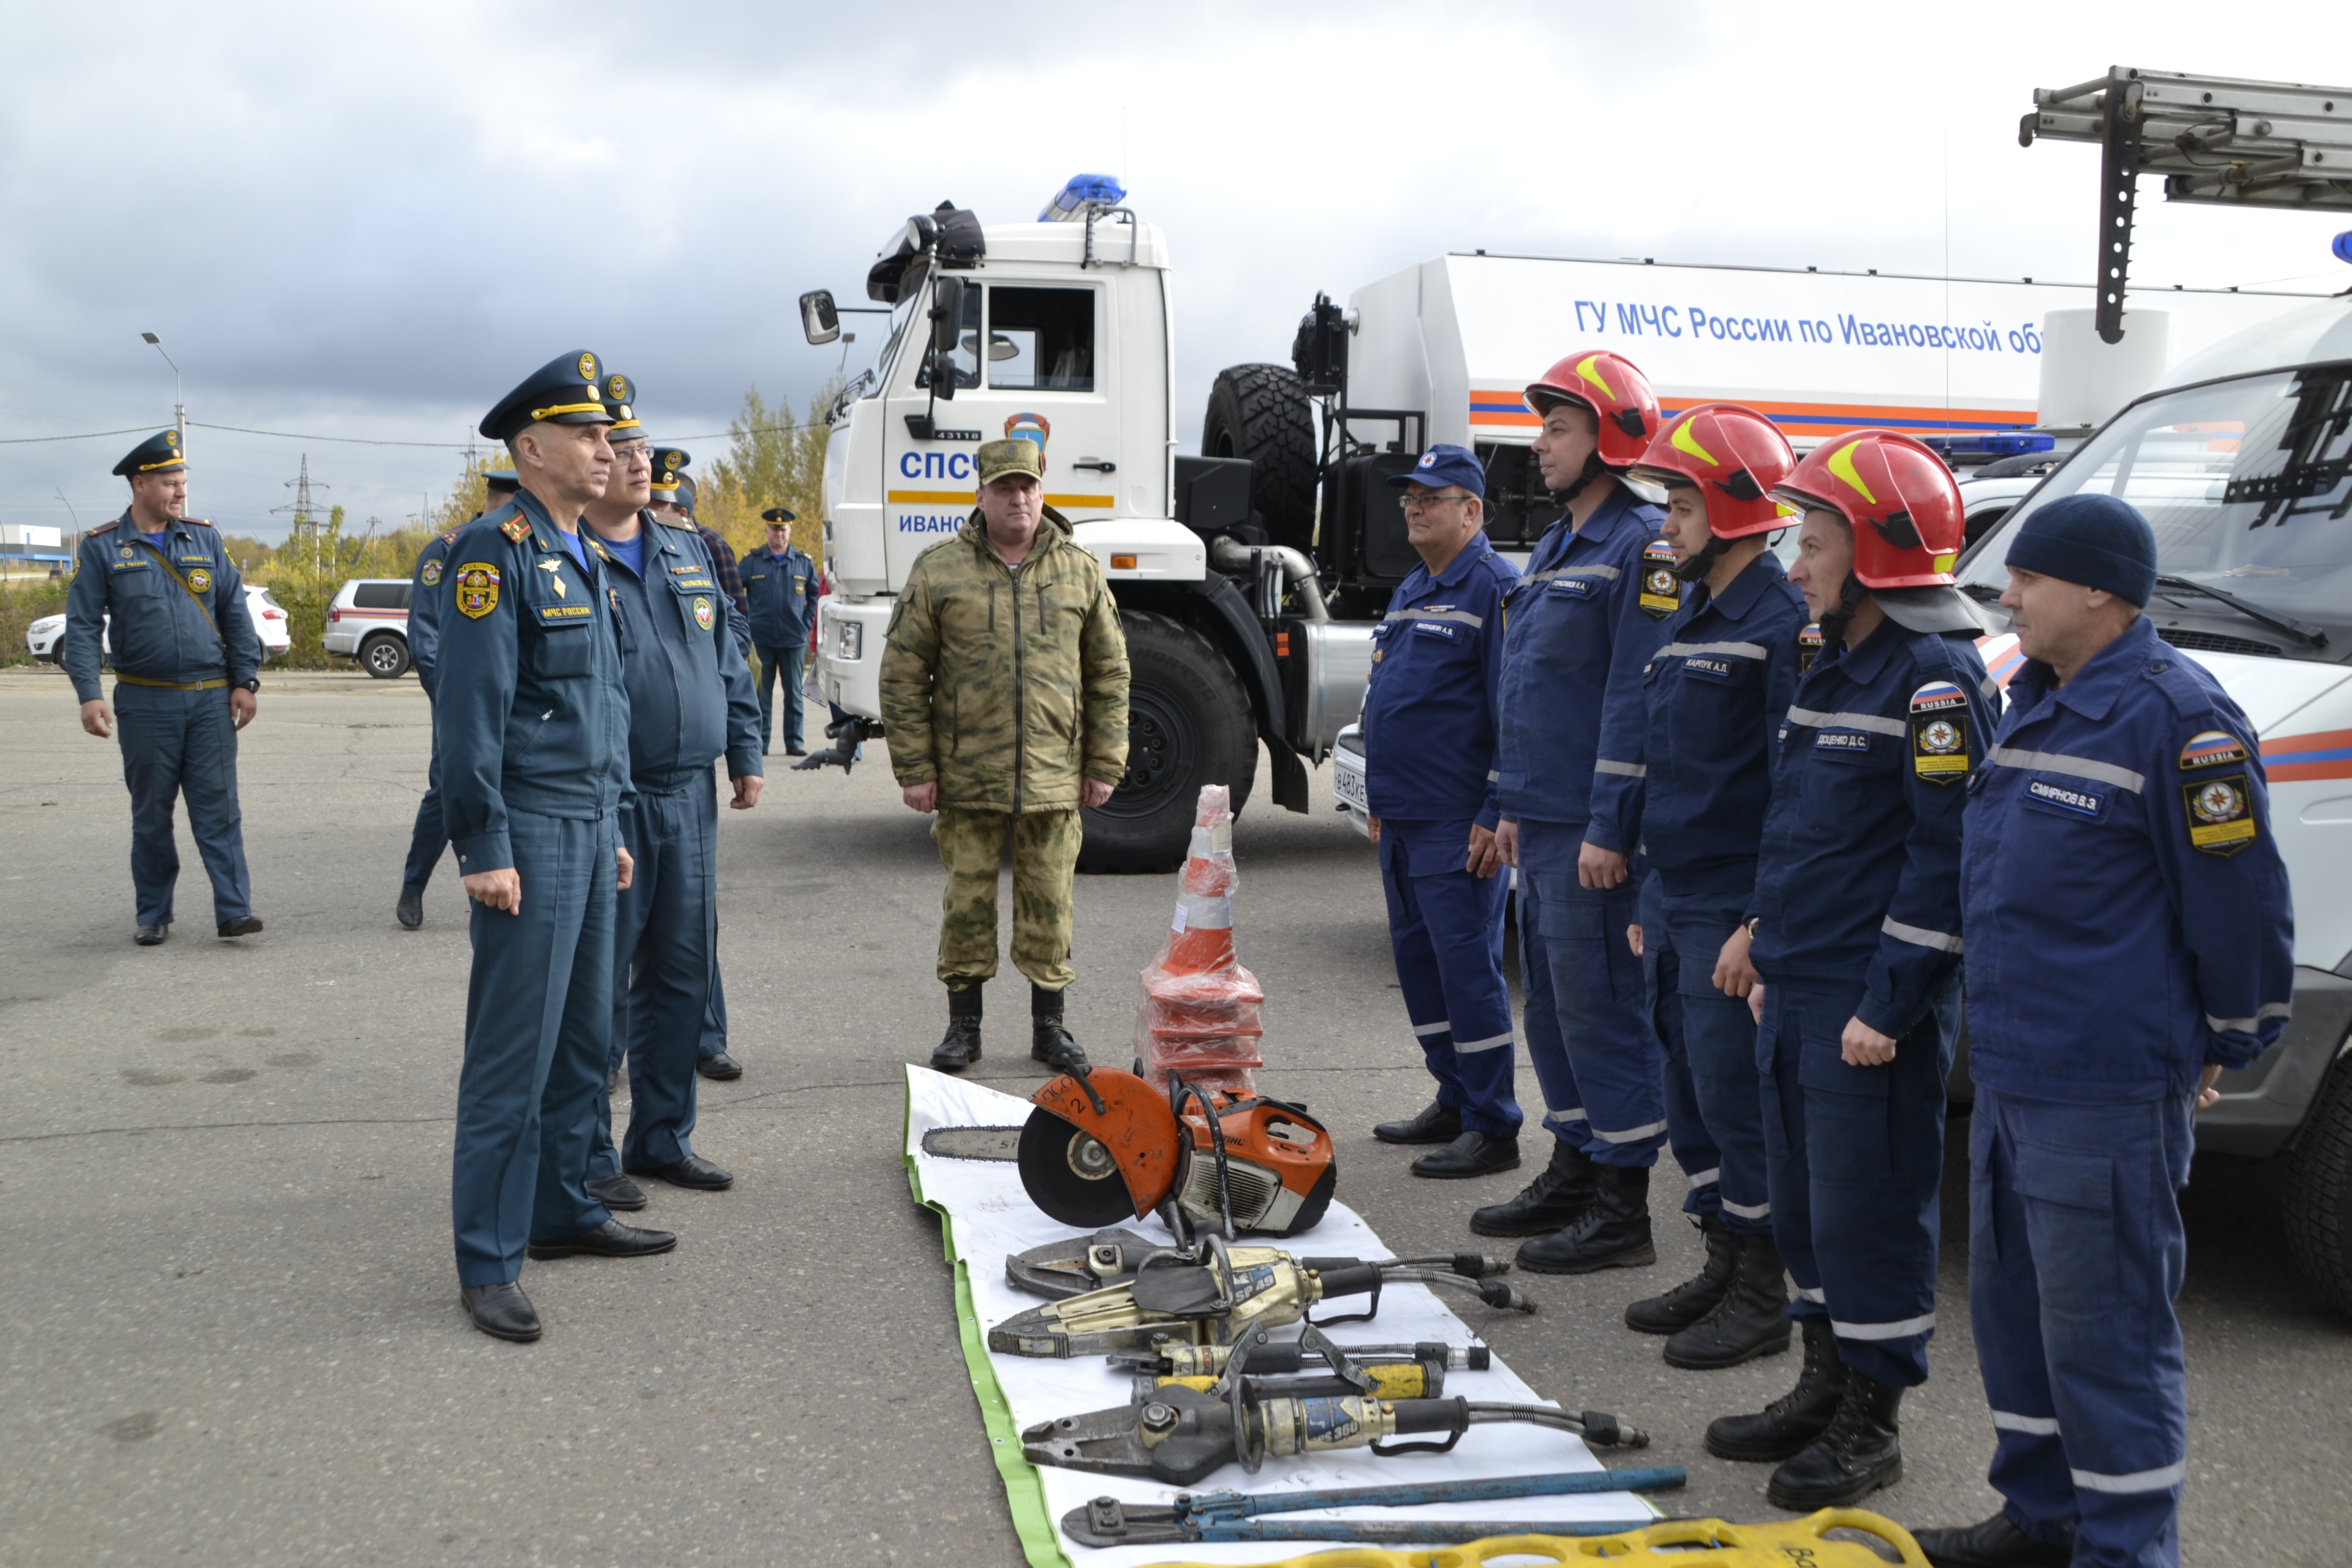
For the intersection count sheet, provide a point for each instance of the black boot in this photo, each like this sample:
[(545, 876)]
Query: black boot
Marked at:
[(1049, 1042), (1995, 1543), (1692, 1300), (1795, 1419), (1550, 1202), (1434, 1123), (959, 1047), (1751, 1320), (1860, 1452), (1614, 1233)]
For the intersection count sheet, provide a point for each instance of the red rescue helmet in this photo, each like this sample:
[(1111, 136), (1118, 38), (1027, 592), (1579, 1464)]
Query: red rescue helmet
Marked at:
[(1617, 393), (1899, 497), (1734, 455)]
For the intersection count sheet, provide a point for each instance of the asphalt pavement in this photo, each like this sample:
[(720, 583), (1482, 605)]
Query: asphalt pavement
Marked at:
[(233, 1331)]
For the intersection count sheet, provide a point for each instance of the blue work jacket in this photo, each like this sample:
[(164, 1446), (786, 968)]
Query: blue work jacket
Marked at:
[(690, 693), (2128, 916), (779, 595), (1429, 711), (424, 605), (178, 603), (1579, 628), (1859, 880), (1718, 692), (529, 708)]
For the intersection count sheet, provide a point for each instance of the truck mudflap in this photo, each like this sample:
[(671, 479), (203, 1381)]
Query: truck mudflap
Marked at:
[(2264, 1105), (1238, 631)]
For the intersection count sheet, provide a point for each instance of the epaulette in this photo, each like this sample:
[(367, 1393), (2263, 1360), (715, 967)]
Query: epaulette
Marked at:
[(450, 536), (516, 528), (2194, 693), (106, 527)]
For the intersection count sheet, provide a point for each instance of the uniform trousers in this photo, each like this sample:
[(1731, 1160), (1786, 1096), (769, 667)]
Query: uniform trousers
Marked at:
[(714, 1018), (784, 663), (1445, 931), (1043, 848), (429, 837), (178, 743), (665, 924), (1854, 1156), (1715, 1103), (1588, 1032), (539, 1025), (2076, 1254)]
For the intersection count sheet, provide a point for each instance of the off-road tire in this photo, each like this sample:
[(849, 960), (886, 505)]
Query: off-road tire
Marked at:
[(1189, 724), (383, 656), (2318, 1199), (1260, 412)]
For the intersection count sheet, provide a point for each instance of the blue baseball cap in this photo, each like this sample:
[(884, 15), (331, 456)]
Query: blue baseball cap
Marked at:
[(1443, 465)]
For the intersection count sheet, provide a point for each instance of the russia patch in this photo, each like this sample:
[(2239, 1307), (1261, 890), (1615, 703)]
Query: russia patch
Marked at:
[(2212, 749), (1939, 732), (1662, 590), (1809, 645)]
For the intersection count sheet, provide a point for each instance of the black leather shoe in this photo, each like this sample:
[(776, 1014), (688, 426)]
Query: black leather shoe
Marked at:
[(1751, 1319), (1614, 1233), (1550, 1203), (244, 925), (410, 911), (152, 936), (959, 1047), (1786, 1425), (1860, 1452), (501, 1310), (1435, 1124), (1995, 1543), (1672, 1311), (617, 1193), (1472, 1154), (694, 1171), (611, 1239), (796, 751), (719, 1066), (1051, 1043)]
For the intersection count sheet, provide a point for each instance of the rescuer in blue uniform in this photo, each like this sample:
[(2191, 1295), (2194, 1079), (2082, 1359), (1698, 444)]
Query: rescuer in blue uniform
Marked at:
[(1429, 760), (2120, 828), (690, 701), (1580, 628), (430, 836), (532, 719), (1855, 932), (780, 588), (187, 663), (1717, 693)]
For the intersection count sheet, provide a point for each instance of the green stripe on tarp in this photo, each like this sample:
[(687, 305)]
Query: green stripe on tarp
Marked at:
[(1031, 1520)]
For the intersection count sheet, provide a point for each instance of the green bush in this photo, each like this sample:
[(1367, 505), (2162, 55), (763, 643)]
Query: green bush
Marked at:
[(23, 602)]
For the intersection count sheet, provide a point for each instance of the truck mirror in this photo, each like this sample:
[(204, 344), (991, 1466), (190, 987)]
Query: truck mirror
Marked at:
[(947, 314), (819, 319)]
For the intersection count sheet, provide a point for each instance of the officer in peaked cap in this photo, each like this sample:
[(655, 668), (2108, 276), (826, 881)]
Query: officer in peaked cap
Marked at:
[(187, 663), (780, 586), (670, 480), (531, 716), (430, 836)]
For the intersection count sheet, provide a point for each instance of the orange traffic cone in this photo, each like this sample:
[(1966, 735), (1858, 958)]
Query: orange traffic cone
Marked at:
[(1199, 1017)]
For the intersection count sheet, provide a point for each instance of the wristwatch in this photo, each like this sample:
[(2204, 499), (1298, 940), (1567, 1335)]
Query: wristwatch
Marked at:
[(1751, 923), (252, 685)]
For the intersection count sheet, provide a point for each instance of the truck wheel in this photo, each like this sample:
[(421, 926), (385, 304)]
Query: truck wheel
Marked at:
[(1187, 724), (1260, 412), (385, 657), (2319, 1192)]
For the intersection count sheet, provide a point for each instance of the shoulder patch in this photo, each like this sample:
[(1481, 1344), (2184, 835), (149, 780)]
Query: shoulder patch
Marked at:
[(1809, 645), (2221, 814), (2212, 749), (516, 528), (1939, 732), (1662, 590), (478, 589)]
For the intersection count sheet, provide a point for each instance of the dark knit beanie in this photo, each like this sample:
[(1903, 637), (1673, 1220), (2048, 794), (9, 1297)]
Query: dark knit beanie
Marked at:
[(2094, 540)]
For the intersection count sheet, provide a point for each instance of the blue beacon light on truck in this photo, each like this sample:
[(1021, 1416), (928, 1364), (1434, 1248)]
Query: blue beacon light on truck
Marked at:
[(1070, 203)]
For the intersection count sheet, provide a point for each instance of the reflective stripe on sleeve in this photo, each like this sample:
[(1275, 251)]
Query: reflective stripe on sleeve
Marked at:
[(1606, 574), (1463, 1048), (1460, 617), (1425, 1030), (2138, 1481), (2038, 1425), (1622, 769), (1903, 1329), (1918, 936), (2247, 1025), (1815, 719), (2059, 763)]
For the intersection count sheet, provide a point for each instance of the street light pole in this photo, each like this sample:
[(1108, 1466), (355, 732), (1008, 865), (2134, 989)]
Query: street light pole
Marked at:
[(179, 409)]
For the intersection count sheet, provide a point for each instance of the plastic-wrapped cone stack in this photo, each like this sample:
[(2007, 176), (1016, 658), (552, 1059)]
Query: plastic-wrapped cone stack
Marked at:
[(1200, 1011)]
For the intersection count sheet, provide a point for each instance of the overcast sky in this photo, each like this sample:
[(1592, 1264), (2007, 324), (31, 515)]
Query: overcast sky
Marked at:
[(371, 223)]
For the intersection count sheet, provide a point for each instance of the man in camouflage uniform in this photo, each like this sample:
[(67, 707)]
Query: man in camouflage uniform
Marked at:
[(1004, 696)]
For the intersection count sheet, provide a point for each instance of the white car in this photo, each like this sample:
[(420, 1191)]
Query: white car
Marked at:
[(43, 637), (369, 622)]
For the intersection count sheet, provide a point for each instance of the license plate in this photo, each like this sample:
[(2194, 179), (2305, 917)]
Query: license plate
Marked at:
[(1348, 784)]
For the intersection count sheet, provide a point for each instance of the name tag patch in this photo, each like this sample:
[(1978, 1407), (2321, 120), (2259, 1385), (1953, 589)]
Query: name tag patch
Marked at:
[(1850, 741), (1720, 669), (2221, 814), (1435, 629), (1939, 732), (1574, 587), (2066, 797), (1662, 590), (557, 612)]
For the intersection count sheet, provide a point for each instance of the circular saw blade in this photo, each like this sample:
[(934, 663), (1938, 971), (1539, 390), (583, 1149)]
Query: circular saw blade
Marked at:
[(1068, 1173)]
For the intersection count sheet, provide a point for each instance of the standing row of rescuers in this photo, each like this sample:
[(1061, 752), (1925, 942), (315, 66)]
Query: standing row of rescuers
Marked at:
[(1754, 813)]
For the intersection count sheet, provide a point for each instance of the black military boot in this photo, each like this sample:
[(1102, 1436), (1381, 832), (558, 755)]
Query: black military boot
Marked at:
[(1751, 1320), (1050, 1043), (1860, 1452), (1795, 1419), (1692, 1300), (1614, 1233), (1550, 1202), (959, 1047), (1996, 1542)]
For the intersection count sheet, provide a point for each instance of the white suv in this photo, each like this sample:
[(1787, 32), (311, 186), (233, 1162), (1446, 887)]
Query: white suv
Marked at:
[(369, 622), (43, 637)]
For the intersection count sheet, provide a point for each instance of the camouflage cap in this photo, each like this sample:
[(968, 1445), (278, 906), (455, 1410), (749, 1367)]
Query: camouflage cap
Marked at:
[(998, 458)]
